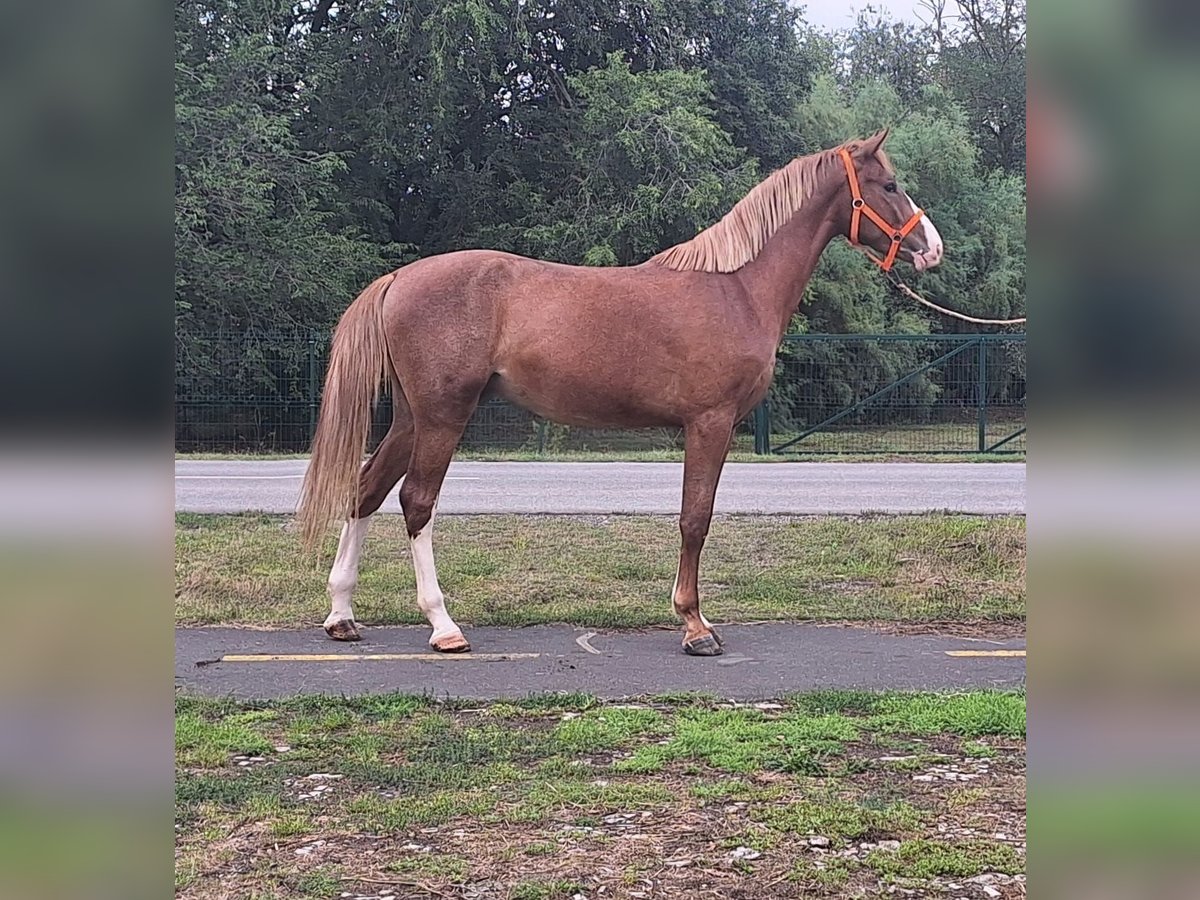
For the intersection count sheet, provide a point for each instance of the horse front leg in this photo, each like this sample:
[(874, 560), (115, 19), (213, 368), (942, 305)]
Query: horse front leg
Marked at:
[(706, 444)]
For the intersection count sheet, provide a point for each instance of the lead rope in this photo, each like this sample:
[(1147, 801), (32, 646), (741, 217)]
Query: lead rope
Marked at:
[(894, 280)]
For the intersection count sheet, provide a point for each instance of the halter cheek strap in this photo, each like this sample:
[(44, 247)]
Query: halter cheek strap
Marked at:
[(859, 208)]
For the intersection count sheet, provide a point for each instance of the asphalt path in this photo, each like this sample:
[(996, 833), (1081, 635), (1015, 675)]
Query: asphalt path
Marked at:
[(227, 486), (760, 662)]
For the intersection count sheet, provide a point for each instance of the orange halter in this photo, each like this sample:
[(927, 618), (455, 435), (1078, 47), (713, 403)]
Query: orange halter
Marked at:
[(860, 207)]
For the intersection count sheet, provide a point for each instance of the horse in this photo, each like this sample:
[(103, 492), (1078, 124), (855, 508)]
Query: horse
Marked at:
[(686, 339)]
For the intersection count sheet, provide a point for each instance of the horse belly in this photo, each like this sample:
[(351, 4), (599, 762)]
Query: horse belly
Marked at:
[(584, 403)]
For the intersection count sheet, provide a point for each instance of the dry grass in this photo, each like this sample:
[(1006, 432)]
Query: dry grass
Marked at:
[(616, 571), (531, 799)]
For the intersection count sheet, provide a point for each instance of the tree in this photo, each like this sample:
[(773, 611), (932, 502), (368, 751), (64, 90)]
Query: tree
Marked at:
[(650, 167), (253, 242), (879, 50), (982, 63)]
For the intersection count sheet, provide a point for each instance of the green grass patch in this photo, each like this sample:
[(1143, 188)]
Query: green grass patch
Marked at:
[(432, 865), (547, 799), (922, 860), (544, 890), (605, 729), (839, 819), (372, 813), (828, 875), (746, 740), (615, 571), (210, 745), (1000, 713)]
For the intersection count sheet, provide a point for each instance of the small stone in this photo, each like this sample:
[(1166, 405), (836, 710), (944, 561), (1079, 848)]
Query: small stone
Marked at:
[(768, 706), (304, 851), (991, 891), (284, 748), (258, 759), (323, 776), (745, 853), (244, 762), (818, 841), (923, 778), (889, 845)]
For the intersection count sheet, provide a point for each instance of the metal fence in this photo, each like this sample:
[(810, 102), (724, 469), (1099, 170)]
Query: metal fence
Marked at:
[(832, 394)]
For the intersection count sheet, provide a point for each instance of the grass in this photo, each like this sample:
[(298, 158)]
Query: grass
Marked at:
[(615, 571), (449, 798), (924, 860)]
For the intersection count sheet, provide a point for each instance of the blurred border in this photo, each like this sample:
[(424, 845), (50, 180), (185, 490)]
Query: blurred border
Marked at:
[(86, 695), (1114, 489)]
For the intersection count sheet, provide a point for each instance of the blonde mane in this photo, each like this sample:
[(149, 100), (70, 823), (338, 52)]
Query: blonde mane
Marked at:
[(741, 234)]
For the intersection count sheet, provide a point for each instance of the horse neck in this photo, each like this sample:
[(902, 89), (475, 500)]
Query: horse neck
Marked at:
[(776, 278)]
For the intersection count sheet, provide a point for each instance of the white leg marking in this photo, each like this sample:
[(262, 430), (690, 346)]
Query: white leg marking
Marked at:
[(343, 577), (429, 592)]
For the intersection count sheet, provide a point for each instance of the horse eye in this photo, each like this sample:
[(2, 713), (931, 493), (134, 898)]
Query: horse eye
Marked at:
[(890, 187)]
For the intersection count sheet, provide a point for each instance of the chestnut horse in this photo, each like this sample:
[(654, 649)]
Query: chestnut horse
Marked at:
[(686, 339)]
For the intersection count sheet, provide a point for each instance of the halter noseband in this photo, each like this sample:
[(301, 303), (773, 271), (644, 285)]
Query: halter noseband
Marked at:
[(859, 207)]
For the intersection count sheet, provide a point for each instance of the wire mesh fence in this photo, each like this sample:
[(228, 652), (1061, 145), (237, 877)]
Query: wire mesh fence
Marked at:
[(832, 394), (896, 394)]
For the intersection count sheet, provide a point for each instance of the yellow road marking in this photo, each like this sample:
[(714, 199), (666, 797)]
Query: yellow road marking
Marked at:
[(363, 657), (985, 652)]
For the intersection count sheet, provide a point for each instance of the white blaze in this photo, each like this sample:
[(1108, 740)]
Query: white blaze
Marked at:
[(931, 257)]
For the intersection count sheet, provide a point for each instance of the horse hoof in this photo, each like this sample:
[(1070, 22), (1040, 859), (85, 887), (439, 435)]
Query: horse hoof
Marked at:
[(717, 637), (451, 643), (708, 645), (344, 630)]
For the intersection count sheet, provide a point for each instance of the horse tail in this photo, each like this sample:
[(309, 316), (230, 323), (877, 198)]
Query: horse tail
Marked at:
[(358, 367)]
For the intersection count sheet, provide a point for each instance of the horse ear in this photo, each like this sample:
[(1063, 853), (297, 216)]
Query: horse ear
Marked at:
[(871, 145)]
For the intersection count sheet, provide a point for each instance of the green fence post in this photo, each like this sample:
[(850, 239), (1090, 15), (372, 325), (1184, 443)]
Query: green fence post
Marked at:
[(312, 388), (982, 394), (762, 429)]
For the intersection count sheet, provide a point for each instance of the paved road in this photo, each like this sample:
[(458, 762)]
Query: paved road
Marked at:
[(611, 487), (760, 662)]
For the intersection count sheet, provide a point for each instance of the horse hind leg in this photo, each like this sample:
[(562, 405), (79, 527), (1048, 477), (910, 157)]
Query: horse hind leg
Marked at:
[(379, 475), (434, 446)]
